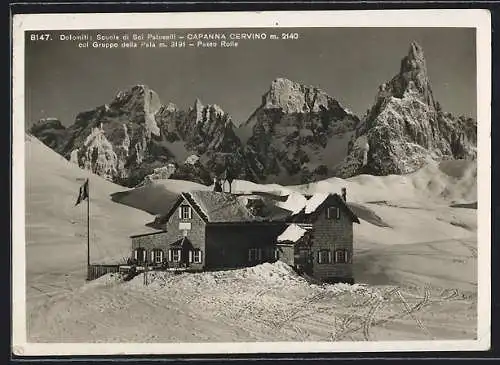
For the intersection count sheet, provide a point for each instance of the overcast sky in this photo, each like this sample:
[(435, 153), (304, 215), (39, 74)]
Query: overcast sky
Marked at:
[(347, 63)]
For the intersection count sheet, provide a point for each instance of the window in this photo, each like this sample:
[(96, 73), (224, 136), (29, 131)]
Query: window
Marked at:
[(253, 254), (140, 254), (270, 253), (333, 213), (195, 256), (174, 255), (185, 212), (341, 256), (324, 257), (157, 256)]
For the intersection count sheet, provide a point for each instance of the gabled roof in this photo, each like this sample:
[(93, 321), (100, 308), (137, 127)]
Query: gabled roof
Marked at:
[(316, 200), (219, 206), (222, 207)]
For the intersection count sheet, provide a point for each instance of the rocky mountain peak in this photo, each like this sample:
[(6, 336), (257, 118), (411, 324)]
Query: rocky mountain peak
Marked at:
[(50, 131), (411, 79), (210, 113), (287, 95), (171, 107), (404, 130), (134, 96), (297, 133), (293, 97), (141, 103), (48, 123), (198, 109), (131, 93), (416, 53), (198, 105)]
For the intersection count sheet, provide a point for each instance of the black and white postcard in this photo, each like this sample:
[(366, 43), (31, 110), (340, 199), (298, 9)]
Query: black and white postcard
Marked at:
[(275, 182)]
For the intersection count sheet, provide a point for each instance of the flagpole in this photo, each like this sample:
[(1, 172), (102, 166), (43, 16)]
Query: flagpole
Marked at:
[(88, 224)]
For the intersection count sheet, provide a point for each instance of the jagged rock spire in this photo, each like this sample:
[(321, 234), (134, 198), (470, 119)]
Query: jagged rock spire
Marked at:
[(403, 130), (412, 78)]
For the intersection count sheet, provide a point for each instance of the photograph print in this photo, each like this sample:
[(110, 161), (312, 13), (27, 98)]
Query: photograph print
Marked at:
[(272, 186)]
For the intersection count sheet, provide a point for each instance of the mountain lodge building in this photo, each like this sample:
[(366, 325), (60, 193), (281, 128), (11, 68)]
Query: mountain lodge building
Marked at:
[(211, 230)]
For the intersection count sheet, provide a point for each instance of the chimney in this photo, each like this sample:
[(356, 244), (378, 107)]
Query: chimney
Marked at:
[(344, 194)]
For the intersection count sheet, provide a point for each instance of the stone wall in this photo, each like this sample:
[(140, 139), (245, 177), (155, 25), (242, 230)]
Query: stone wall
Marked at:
[(331, 235), (287, 254), (163, 240)]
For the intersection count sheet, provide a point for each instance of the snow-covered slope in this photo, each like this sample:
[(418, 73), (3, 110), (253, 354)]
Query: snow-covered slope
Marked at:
[(444, 182), (393, 208), (56, 228), (267, 302), (156, 197)]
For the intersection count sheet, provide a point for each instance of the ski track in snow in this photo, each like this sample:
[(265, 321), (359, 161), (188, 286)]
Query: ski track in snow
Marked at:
[(259, 305)]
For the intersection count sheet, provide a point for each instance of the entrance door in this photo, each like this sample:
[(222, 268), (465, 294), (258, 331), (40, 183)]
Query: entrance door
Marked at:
[(303, 257), (140, 255), (303, 260)]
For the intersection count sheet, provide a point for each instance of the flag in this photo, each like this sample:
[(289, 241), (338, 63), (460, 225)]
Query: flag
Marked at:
[(84, 192)]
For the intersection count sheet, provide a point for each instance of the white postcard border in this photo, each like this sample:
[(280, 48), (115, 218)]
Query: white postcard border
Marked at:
[(479, 19)]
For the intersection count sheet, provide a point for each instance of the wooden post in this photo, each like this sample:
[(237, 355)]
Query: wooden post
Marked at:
[(85, 195), (88, 225)]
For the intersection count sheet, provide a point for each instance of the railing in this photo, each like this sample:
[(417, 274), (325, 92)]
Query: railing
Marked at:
[(96, 271)]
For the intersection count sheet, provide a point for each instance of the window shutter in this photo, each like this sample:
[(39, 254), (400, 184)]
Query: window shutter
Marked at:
[(190, 256), (338, 213), (189, 211), (161, 256), (347, 258), (170, 255), (330, 257), (180, 211), (144, 255), (135, 254), (319, 257), (260, 254), (327, 212), (152, 255)]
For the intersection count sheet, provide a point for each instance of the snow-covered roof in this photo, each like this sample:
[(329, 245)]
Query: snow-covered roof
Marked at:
[(220, 206), (223, 207), (315, 201), (292, 233), (294, 203)]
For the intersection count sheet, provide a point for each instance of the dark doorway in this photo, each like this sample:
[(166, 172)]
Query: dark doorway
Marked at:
[(140, 255)]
